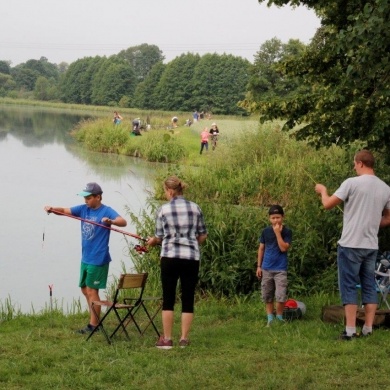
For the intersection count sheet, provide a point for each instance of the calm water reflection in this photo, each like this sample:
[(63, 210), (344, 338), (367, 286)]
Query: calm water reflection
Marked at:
[(41, 165)]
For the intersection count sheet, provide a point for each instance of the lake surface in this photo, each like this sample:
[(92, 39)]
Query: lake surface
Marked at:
[(41, 165)]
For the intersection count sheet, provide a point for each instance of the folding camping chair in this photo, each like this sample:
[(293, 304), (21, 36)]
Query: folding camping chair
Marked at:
[(382, 278), (150, 317), (134, 282)]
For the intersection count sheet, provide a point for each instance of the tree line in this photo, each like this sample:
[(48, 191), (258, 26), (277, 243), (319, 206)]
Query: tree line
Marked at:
[(136, 77), (334, 90)]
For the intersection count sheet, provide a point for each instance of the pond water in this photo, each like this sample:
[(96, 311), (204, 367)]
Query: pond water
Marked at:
[(41, 165)]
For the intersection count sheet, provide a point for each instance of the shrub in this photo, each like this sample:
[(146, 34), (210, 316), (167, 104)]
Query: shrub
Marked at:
[(157, 146), (101, 135)]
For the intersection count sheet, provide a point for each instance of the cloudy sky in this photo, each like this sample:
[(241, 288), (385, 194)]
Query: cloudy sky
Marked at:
[(65, 30)]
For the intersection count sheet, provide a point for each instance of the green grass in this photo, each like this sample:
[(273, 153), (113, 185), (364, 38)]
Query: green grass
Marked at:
[(231, 349)]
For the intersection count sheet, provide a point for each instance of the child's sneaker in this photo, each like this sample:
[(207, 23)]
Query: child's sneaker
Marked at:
[(344, 337), (164, 344)]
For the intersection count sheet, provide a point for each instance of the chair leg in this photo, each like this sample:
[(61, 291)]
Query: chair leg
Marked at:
[(130, 318), (151, 318), (384, 298), (121, 324), (100, 325)]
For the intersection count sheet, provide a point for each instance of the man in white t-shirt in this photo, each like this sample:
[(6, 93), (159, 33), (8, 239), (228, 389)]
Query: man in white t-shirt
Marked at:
[(366, 208)]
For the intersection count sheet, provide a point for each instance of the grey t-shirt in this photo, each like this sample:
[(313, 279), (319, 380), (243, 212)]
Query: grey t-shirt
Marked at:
[(364, 198)]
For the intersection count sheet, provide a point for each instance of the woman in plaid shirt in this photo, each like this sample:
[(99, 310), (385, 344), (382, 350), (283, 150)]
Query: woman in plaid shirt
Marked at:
[(180, 228)]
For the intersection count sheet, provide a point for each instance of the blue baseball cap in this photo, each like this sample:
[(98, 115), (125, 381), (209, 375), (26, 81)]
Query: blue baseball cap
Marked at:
[(91, 189)]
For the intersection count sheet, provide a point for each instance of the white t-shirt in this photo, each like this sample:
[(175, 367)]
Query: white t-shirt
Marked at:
[(364, 198)]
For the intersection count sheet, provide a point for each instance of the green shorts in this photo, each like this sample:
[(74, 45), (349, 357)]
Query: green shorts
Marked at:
[(93, 276)]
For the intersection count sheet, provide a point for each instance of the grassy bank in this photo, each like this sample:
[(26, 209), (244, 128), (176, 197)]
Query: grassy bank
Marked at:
[(82, 107), (231, 349), (161, 143)]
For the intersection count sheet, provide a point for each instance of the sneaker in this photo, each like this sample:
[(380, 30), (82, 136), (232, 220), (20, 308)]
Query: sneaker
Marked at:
[(88, 329), (366, 335), (164, 344), (343, 336), (184, 343), (269, 323)]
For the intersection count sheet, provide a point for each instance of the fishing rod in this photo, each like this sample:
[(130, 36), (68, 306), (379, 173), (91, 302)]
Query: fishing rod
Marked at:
[(138, 248), (315, 182)]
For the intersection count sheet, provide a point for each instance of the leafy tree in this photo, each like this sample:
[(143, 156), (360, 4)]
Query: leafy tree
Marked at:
[(76, 85), (346, 71), (145, 96), (5, 67), (113, 80), (219, 82), (142, 58), (175, 88), (25, 78), (62, 67), (26, 74), (45, 89), (7, 84), (43, 67), (266, 79)]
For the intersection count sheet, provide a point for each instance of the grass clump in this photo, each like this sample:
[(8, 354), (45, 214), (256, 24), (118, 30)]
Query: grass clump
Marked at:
[(157, 146), (98, 136)]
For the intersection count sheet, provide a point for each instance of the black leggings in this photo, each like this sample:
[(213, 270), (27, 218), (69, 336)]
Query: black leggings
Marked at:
[(171, 271)]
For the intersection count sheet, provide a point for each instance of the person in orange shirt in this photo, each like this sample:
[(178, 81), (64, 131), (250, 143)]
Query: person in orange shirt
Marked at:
[(204, 140)]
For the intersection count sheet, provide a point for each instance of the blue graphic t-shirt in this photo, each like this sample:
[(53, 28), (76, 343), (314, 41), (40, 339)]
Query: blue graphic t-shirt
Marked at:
[(94, 239)]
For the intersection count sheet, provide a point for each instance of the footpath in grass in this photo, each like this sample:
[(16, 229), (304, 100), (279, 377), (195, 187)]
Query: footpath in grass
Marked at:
[(231, 349)]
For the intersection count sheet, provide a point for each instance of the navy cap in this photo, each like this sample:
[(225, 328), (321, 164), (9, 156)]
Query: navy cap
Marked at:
[(91, 189)]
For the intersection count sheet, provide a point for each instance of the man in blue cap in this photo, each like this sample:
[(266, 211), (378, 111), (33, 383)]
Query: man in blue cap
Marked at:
[(95, 250)]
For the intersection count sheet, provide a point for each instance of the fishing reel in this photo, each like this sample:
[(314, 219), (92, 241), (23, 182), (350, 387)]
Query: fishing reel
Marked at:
[(140, 249)]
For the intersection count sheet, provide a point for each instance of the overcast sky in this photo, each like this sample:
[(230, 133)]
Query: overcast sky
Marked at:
[(65, 30)]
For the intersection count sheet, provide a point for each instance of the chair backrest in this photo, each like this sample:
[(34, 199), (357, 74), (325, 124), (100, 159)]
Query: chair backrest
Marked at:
[(132, 281)]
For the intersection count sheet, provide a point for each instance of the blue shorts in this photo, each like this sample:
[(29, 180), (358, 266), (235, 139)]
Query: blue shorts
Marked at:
[(357, 266)]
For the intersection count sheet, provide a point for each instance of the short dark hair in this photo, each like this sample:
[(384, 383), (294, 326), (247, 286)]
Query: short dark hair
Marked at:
[(366, 157)]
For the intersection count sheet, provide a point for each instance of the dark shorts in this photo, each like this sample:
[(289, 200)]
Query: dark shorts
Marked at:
[(93, 276), (357, 266), (274, 286)]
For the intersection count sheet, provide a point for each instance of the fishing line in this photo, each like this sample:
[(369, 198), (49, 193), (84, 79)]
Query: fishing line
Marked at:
[(43, 232), (315, 182)]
